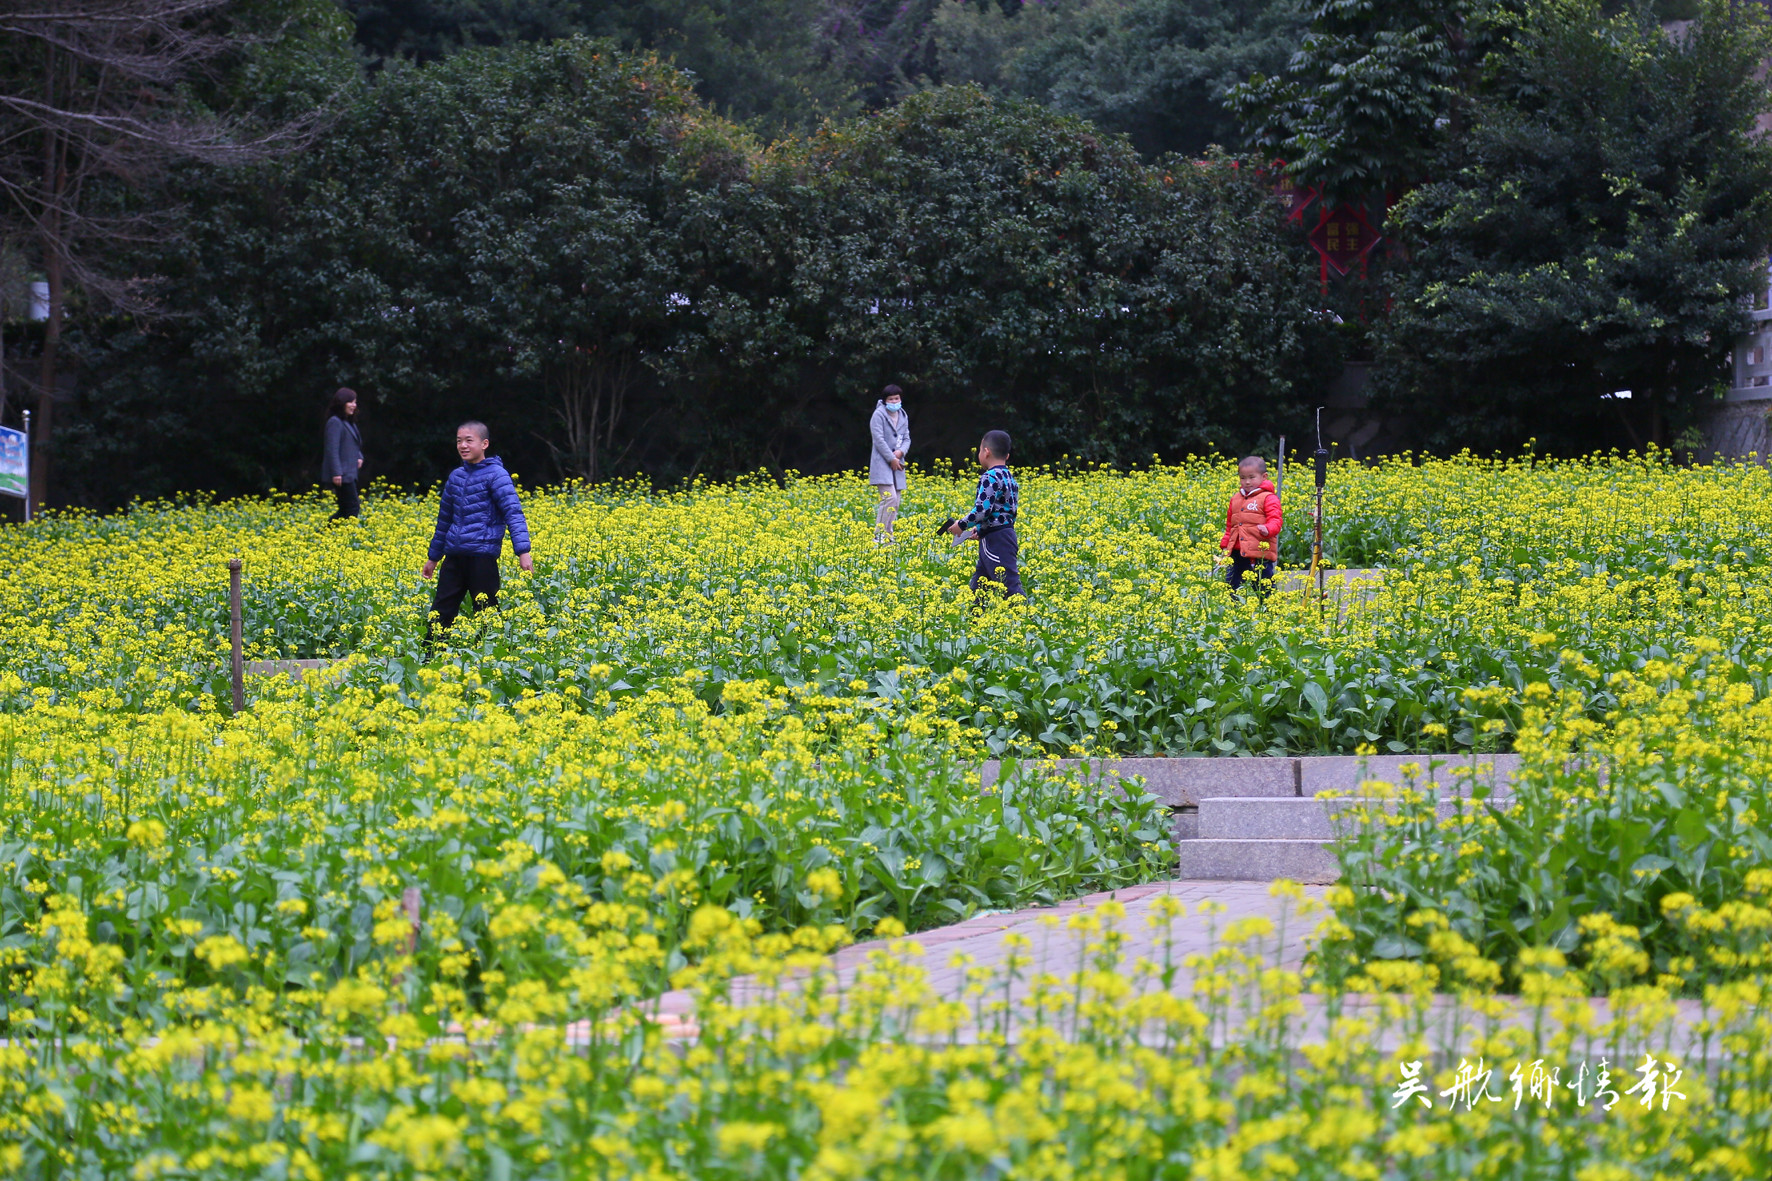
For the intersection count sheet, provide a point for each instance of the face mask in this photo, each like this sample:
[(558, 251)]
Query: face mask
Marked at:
[(895, 406)]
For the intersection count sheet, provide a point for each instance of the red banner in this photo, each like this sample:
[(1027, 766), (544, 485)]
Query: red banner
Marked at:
[(1343, 237), (1293, 196)]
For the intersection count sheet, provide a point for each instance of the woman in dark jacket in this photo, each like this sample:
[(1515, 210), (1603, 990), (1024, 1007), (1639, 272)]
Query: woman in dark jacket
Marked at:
[(344, 453)]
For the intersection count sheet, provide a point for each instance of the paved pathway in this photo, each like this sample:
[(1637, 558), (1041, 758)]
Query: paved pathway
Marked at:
[(1056, 948), (1209, 908)]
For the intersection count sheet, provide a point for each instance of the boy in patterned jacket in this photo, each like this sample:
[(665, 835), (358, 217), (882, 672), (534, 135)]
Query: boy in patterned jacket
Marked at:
[(1252, 525), (992, 519), (479, 503)]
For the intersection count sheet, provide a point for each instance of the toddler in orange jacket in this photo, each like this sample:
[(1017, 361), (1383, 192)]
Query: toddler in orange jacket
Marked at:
[(1252, 524)]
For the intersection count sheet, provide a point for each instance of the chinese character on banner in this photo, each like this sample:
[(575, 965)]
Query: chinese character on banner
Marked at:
[(1342, 238), (1293, 196)]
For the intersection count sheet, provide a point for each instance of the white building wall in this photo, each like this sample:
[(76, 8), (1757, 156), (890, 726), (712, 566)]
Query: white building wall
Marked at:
[(1741, 426), (1753, 350)]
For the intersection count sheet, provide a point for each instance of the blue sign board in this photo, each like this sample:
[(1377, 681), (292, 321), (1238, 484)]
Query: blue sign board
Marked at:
[(15, 463)]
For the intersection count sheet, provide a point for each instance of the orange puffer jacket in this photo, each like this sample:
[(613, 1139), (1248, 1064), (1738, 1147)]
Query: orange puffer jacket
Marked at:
[(1261, 507)]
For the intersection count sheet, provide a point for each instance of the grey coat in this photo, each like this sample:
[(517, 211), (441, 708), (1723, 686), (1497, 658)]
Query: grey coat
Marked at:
[(888, 437), (344, 447)]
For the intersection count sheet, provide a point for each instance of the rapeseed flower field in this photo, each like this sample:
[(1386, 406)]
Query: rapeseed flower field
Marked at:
[(1498, 573), (410, 918)]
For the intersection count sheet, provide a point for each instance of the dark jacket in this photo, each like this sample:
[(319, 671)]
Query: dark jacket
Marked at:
[(344, 447), (997, 503), (479, 503)]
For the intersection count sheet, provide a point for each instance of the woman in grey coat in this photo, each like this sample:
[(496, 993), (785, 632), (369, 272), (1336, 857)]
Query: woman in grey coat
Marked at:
[(343, 457), (891, 431)]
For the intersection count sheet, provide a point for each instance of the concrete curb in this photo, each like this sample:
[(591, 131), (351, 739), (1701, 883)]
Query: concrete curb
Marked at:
[(295, 670), (1360, 579)]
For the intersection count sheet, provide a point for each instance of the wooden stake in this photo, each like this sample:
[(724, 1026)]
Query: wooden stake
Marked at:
[(239, 664)]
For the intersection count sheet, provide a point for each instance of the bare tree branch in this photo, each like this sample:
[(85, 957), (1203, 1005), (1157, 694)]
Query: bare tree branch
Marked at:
[(94, 91)]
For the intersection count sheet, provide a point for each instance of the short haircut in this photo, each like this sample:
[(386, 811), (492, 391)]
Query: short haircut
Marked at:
[(1254, 461), (892, 391), (475, 425), (997, 443)]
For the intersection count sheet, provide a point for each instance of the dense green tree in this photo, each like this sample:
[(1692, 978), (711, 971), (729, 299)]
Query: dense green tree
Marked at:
[(781, 65), (1156, 70), (1366, 101), (98, 105), (454, 242), (563, 241), (1005, 257), (1596, 228)]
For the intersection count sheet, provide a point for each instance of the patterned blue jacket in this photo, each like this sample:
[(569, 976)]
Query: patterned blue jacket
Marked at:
[(479, 503), (996, 503)]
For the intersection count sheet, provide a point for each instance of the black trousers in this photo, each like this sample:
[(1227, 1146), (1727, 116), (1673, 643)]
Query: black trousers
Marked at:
[(997, 551), (348, 504), (1241, 566), (462, 575)]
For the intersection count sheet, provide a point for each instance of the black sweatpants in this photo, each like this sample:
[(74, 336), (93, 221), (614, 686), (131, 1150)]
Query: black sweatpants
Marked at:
[(462, 575), (1241, 566), (997, 551), (348, 504)]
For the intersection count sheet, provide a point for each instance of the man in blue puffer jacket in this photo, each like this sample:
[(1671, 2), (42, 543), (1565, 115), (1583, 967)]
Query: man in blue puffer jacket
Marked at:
[(479, 503)]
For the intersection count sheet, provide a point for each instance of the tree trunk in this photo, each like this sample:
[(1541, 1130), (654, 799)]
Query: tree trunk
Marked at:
[(578, 408), (1624, 419), (110, 102), (49, 236), (43, 424), (592, 388)]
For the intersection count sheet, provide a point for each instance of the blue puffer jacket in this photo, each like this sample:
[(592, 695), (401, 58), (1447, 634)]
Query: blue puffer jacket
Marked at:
[(479, 503)]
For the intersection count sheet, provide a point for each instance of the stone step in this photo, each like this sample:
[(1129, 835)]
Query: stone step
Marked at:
[(1183, 781), (1306, 818), (1452, 773), (1258, 819), (1257, 860)]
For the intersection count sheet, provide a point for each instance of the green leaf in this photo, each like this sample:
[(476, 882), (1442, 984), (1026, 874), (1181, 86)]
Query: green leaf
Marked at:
[(1691, 827)]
